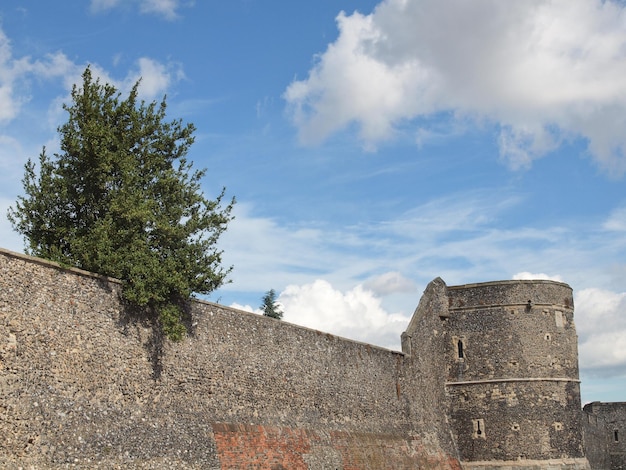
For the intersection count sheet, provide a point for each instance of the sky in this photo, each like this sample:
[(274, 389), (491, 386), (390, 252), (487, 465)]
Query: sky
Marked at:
[(371, 146)]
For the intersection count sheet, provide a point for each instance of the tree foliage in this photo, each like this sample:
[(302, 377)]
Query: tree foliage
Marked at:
[(121, 199), (270, 307)]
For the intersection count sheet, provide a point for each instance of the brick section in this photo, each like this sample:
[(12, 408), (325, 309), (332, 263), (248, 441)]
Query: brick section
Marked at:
[(241, 446)]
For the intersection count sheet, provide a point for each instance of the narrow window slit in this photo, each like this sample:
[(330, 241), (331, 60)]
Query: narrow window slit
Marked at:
[(479, 429)]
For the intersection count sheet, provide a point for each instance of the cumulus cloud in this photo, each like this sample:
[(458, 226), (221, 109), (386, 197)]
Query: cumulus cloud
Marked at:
[(155, 76), (601, 327), (245, 308), (526, 276), (541, 72), (355, 314)]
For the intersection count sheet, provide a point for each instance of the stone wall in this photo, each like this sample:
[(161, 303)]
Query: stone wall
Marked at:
[(487, 378), (86, 383), (604, 426)]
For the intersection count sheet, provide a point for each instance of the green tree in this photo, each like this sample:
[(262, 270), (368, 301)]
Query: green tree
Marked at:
[(121, 199), (270, 306)]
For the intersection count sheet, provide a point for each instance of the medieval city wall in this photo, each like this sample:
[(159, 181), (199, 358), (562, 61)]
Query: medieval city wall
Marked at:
[(487, 379), (85, 383)]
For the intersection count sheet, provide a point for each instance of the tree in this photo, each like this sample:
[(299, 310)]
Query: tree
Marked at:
[(121, 199), (270, 306)]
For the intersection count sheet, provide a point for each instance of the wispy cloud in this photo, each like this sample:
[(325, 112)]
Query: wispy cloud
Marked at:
[(17, 73), (168, 9), (617, 220), (165, 8), (389, 283), (542, 72), (459, 236)]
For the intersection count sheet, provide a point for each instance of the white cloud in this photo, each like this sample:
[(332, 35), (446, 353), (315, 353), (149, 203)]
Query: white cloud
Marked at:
[(16, 74), (99, 5), (389, 283), (544, 71), (536, 276), (262, 249), (155, 78), (245, 308), (165, 8), (12, 156), (601, 327), (617, 220), (356, 314)]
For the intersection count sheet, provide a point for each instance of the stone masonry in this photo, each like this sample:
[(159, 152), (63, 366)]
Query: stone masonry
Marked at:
[(485, 380), (604, 427)]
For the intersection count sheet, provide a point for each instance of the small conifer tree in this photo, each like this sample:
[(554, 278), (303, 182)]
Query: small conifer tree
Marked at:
[(270, 305)]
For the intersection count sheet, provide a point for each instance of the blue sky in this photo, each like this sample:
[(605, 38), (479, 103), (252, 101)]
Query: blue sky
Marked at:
[(371, 146)]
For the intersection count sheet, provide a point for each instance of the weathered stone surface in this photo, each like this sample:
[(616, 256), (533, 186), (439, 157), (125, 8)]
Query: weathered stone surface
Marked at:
[(85, 383), (604, 428), (514, 394)]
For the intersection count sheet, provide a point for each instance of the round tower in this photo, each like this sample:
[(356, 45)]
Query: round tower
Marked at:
[(512, 373)]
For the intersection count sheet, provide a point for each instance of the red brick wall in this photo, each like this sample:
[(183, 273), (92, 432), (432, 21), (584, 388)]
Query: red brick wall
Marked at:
[(242, 446)]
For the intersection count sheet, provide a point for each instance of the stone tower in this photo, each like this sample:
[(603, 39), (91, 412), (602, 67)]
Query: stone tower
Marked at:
[(511, 374), (508, 355)]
